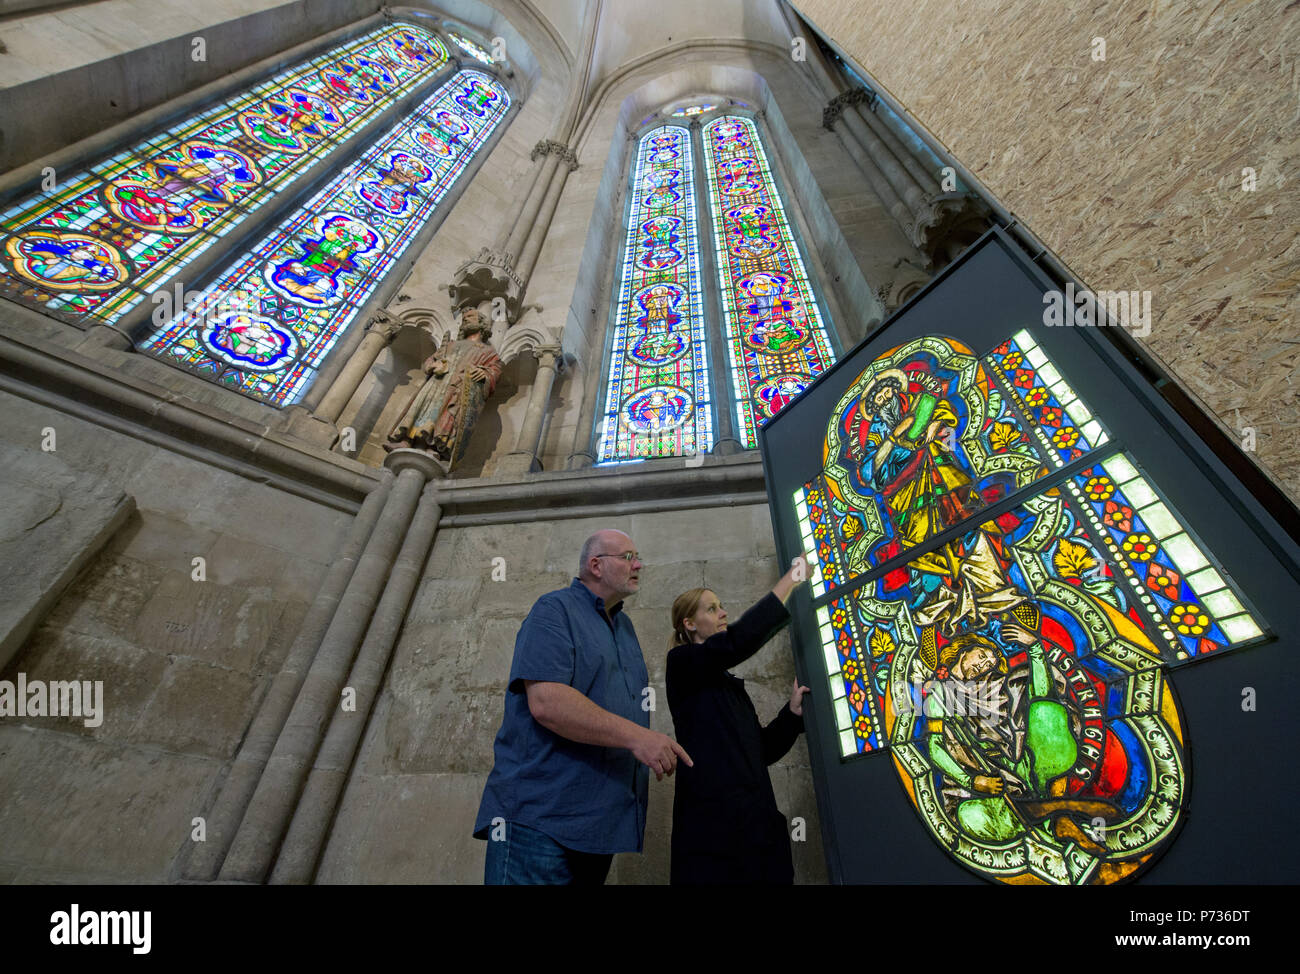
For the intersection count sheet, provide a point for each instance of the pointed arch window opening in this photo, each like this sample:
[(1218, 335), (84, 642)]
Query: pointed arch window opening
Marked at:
[(265, 325), (777, 341), (106, 241), (96, 246), (772, 324), (658, 400)]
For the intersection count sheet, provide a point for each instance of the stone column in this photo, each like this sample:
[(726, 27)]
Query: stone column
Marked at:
[(514, 241), (580, 453), (881, 185), (253, 850), (899, 178), (526, 457), (503, 272), (383, 328), (223, 820), (309, 830), (541, 225)]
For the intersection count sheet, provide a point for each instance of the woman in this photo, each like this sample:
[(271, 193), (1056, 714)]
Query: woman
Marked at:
[(726, 826)]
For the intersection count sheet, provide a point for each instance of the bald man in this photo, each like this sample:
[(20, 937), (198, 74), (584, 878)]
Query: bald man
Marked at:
[(570, 779)]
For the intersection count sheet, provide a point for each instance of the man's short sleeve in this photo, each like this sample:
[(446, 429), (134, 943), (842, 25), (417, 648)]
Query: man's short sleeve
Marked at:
[(544, 648)]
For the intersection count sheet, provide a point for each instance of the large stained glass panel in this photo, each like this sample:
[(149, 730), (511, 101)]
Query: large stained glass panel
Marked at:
[(927, 436), (265, 324), (1014, 662), (776, 339), (94, 247), (657, 403)]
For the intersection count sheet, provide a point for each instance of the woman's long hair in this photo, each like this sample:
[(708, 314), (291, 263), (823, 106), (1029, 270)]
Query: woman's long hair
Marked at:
[(684, 606)]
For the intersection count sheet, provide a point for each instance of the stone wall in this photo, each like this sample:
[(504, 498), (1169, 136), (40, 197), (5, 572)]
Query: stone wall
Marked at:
[(414, 791), (184, 663), (1131, 168)]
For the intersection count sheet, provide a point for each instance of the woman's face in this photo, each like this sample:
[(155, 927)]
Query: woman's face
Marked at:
[(709, 618)]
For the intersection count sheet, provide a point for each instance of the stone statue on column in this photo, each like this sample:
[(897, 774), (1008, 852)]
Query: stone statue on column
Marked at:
[(461, 376)]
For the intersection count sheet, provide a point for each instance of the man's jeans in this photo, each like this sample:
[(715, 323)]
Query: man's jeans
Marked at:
[(526, 857)]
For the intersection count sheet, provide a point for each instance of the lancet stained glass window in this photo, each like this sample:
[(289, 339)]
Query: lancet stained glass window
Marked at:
[(776, 339), (658, 396), (658, 401), (1014, 662), (266, 323), (96, 246)]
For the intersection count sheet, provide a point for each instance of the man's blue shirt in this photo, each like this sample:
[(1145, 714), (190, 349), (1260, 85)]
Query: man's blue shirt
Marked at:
[(585, 797)]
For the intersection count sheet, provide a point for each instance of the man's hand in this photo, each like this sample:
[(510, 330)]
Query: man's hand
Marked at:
[(478, 374), (659, 753), (987, 785), (1018, 634)]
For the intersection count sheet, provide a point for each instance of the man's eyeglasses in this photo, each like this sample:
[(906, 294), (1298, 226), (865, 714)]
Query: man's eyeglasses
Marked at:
[(627, 556)]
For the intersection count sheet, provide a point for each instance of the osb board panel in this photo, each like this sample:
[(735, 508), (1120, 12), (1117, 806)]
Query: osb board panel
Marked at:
[(1131, 168)]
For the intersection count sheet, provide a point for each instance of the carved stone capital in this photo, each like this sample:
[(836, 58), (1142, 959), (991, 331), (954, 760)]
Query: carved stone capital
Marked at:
[(547, 146), (487, 276), (385, 323), (551, 356), (943, 217), (854, 96)]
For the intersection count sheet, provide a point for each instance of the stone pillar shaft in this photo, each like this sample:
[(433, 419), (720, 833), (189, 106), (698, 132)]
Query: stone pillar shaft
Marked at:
[(259, 742), (343, 388), (532, 203), (526, 457), (300, 854), (537, 233), (254, 847), (927, 181), (879, 184), (898, 177)]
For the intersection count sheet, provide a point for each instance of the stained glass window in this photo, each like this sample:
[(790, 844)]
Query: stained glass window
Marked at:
[(688, 111), (470, 48), (776, 339), (658, 401), (265, 324), (98, 245), (998, 604)]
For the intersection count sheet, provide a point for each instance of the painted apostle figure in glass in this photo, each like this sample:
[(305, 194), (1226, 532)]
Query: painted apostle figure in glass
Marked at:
[(902, 439), (462, 375)]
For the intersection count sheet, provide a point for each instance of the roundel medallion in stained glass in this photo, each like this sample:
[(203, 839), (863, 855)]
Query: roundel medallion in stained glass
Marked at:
[(183, 191), (658, 338), (661, 246), (412, 48), (477, 97), (778, 391), (249, 341), (67, 261), (665, 150), (658, 409), (318, 269), (361, 79), (292, 121), (397, 185)]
